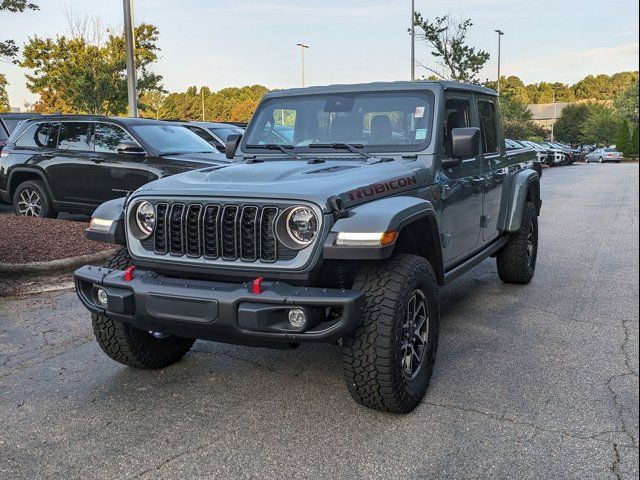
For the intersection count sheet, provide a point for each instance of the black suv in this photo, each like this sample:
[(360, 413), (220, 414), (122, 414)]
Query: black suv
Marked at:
[(75, 163)]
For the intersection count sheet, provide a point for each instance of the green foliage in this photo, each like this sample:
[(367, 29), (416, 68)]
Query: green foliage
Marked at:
[(76, 75), (623, 140), (517, 118), (601, 125), (569, 126), (226, 105), (4, 98), (627, 102), (8, 48), (634, 144), (459, 61)]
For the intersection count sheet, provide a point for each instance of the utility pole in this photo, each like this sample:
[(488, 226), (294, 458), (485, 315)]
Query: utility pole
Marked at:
[(555, 115), (129, 38), (303, 47), (413, 40), (500, 34), (202, 95)]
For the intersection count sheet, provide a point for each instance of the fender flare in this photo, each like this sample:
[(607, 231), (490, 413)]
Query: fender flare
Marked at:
[(111, 211), (519, 192), (34, 171), (384, 215)]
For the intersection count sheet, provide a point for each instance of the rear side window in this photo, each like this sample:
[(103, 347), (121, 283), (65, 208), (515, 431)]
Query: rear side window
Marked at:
[(107, 137), (74, 136), (488, 126), (38, 135)]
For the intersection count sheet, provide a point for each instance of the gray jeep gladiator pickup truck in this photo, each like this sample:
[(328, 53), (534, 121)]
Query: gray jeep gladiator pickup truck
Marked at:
[(339, 230)]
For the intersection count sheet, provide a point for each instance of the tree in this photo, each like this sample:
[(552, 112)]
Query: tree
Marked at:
[(150, 103), (623, 140), (88, 75), (4, 98), (8, 48), (627, 102), (634, 145), (601, 125), (458, 61), (568, 128)]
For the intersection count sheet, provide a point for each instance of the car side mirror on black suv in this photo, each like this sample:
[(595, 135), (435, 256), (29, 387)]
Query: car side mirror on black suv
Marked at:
[(130, 148), (465, 143), (231, 145)]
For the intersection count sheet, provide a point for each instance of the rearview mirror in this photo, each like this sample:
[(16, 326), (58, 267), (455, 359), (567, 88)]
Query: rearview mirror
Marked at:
[(466, 142), (231, 145), (130, 148)]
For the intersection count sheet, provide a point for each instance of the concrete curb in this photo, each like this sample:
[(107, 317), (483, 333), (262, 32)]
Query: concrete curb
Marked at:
[(62, 265)]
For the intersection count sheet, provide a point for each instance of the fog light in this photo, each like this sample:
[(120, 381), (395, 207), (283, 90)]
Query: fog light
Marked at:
[(102, 296), (297, 318)]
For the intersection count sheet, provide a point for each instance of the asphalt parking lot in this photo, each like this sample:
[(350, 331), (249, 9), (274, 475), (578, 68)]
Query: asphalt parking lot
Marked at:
[(532, 382)]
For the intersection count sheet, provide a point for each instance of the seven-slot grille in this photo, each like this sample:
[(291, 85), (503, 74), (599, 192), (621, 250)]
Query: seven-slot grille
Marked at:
[(216, 231)]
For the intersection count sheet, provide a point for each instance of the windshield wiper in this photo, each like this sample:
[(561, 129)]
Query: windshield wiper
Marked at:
[(352, 147), (274, 146)]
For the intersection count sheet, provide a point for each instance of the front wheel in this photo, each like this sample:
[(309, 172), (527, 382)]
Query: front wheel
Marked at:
[(133, 347), (601, 160), (517, 259), (389, 359)]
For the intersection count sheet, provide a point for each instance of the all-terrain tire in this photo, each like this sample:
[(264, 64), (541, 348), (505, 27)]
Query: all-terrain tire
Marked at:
[(131, 346), (517, 259), (373, 355), (40, 204)]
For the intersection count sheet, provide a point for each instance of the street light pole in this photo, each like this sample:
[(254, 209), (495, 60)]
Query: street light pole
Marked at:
[(303, 47), (500, 34), (129, 38), (413, 40)]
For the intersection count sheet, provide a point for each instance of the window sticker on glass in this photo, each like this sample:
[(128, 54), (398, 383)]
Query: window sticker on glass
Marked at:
[(419, 112), (421, 134)]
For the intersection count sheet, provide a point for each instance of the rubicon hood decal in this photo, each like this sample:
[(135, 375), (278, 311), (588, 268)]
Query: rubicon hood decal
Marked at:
[(380, 189)]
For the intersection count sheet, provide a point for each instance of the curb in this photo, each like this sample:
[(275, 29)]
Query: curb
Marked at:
[(61, 265)]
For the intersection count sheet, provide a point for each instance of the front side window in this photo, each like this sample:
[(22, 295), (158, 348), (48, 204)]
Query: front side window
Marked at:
[(172, 139), (387, 121), (488, 126), (107, 137), (74, 136), (457, 115), (38, 135)]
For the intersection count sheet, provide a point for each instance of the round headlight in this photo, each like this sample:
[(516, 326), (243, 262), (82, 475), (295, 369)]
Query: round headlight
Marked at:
[(302, 225), (145, 218)]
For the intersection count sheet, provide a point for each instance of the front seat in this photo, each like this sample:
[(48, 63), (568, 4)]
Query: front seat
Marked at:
[(381, 128)]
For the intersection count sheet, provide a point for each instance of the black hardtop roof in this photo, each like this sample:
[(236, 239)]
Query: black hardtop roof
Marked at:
[(383, 87), (101, 118)]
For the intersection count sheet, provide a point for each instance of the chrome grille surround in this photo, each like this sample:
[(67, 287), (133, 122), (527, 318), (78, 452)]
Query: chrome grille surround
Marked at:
[(236, 233)]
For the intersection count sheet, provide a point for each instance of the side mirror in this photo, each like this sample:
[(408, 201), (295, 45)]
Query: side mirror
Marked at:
[(130, 148), (466, 142), (231, 145)]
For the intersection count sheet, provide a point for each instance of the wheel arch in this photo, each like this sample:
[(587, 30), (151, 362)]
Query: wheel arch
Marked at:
[(524, 186), (19, 175)]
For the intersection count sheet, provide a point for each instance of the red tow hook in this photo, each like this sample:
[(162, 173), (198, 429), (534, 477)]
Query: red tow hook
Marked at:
[(128, 274), (257, 286)]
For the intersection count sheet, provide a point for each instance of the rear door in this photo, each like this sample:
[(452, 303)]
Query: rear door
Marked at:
[(69, 168), (462, 194), (113, 174), (494, 166)]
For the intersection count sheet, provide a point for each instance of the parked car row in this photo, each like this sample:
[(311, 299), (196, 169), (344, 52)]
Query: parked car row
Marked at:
[(63, 163), (550, 154)]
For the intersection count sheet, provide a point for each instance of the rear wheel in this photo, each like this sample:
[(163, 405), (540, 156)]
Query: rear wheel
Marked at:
[(131, 346), (517, 259), (32, 200), (389, 359)]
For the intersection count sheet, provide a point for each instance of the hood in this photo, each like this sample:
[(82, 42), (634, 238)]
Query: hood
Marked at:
[(354, 181), (213, 157)]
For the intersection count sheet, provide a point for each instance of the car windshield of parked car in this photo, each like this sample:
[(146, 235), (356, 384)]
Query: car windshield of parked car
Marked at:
[(223, 132), (172, 139), (388, 121), (611, 150)]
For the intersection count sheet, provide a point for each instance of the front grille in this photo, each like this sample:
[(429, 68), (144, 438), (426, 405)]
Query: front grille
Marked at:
[(228, 232)]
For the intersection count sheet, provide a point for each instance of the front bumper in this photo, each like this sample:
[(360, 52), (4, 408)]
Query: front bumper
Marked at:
[(225, 312)]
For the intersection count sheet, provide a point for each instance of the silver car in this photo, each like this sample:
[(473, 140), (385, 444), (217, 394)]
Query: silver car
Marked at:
[(603, 155)]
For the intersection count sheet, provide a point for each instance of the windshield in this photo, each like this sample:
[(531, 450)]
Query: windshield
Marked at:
[(172, 139), (386, 121), (223, 132)]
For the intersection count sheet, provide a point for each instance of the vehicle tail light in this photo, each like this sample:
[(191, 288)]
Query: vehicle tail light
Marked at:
[(609, 154)]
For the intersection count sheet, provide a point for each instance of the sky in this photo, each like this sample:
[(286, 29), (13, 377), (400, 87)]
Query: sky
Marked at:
[(222, 43)]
